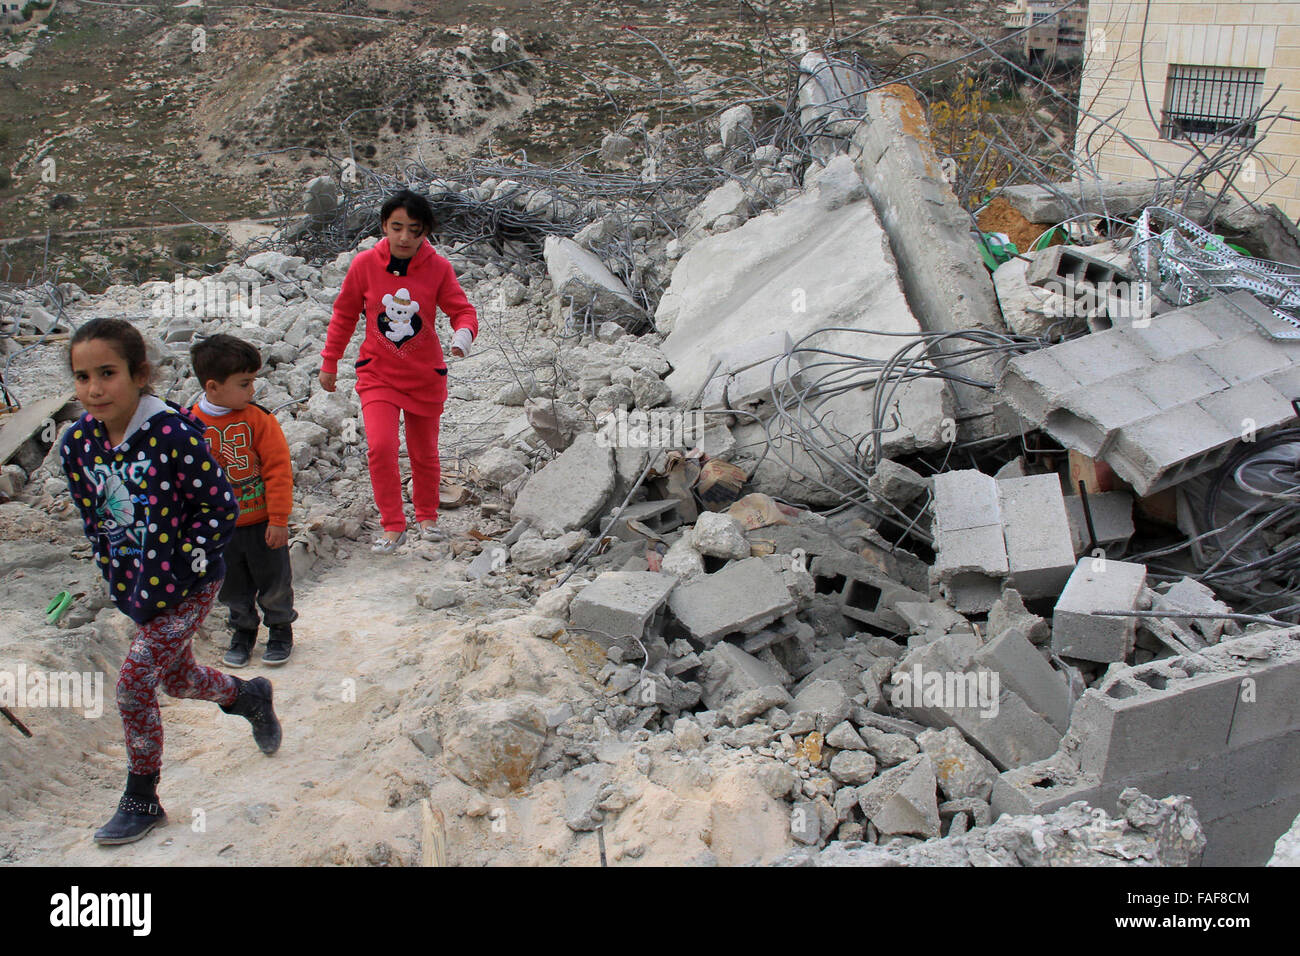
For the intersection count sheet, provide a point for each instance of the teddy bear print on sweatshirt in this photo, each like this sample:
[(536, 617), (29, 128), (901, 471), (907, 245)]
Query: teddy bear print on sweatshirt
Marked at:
[(400, 319)]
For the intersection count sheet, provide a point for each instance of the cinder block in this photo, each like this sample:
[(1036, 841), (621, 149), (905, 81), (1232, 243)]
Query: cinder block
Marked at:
[(1012, 737), (1112, 519), (1110, 586), (1025, 671), (1088, 418), (659, 516), (1094, 358), (1174, 334), (965, 499), (1250, 407), (1035, 383), (865, 594), (1219, 315), (1245, 359), (1160, 451), (618, 605), (743, 597), (1176, 383), (1040, 555)]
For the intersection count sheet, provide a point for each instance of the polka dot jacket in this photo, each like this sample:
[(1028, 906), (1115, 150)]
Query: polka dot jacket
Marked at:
[(157, 507)]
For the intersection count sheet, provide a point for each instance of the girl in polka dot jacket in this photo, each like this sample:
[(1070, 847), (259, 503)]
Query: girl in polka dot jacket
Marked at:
[(158, 511)]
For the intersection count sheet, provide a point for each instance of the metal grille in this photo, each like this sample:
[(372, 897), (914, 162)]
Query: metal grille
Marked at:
[(1202, 102)]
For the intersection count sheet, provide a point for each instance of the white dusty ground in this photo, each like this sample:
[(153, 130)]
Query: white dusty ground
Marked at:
[(346, 784)]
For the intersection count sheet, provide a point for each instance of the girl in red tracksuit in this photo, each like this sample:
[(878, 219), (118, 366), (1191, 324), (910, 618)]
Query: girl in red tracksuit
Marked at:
[(400, 283)]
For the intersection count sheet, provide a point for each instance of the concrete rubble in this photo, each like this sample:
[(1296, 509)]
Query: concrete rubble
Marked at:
[(937, 662)]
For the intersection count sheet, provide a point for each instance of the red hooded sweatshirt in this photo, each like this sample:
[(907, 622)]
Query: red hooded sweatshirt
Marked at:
[(401, 359)]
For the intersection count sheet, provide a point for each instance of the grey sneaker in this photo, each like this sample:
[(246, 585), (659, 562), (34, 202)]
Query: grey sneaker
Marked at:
[(241, 645), (383, 546)]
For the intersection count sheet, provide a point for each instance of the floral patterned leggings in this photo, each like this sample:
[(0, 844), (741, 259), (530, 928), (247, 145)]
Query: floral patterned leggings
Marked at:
[(160, 655)]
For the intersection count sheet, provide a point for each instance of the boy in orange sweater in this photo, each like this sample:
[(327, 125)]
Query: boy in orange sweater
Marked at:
[(248, 442)]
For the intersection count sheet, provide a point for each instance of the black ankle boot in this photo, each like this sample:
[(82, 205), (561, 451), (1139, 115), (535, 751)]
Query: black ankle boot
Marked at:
[(254, 702), (138, 812)]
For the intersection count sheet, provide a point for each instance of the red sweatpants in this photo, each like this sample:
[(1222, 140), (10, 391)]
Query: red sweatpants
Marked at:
[(385, 478)]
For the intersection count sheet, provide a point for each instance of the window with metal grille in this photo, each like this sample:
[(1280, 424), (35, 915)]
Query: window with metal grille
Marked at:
[(1202, 102)]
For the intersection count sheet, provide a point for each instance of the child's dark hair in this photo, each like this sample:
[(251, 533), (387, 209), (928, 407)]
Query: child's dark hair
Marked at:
[(220, 356), (416, 206), (125, 339)]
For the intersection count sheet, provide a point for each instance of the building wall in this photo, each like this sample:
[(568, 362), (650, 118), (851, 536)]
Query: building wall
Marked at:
[(1057, 36), (1226, 33)]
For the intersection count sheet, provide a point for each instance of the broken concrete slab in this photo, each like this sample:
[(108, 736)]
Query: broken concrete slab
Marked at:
[(580, 275), (902, 800), (1098, 584), (929, 232), (829, 98), (743, 597), (1027, 672), (714, 301), (1057, 202), (730, 672), (569, 492)]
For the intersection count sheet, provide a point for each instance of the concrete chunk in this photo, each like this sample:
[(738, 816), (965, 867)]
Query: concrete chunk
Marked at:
[(569, 491), (962, 771), (730, 672), (902, 800), (618, 605), (579, 274), (1098, 585), (1025, 671), (743, 597)]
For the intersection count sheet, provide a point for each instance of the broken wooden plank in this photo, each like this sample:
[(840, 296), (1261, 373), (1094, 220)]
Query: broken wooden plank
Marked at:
[(16, 429), (434, 827)]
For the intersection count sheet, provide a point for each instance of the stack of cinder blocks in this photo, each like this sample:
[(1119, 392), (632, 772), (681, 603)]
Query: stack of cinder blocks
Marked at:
[(1221, 726), (990, 533), (1166, 402)]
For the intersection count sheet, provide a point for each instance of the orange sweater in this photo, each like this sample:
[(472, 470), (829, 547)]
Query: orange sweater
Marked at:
[(257, 462)]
